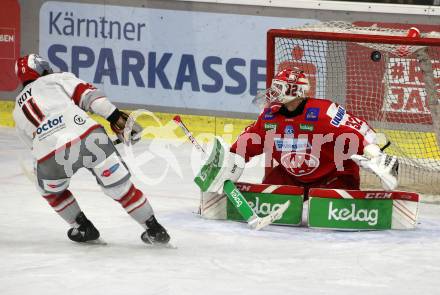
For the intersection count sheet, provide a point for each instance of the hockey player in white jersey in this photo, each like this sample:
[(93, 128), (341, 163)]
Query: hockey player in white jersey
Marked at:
[(51, 119)]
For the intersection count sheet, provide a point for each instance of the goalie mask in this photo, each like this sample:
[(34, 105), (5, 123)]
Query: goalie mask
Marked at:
[(31, 67), (287, 85)]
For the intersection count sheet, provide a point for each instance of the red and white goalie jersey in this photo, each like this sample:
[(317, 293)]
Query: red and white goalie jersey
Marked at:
[(50, 112), (312, 144)]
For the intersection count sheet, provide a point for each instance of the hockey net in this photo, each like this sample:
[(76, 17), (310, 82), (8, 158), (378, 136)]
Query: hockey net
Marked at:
[(381, 75)]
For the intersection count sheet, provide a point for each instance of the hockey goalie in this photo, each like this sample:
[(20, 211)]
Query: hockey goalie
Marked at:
[(315, 143)]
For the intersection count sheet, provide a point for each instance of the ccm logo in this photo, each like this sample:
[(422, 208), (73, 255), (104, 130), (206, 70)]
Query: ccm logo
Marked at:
[(378, 196), (243, 187)]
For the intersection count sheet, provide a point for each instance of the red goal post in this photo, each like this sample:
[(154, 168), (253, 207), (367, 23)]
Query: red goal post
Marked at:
[(379, 74)]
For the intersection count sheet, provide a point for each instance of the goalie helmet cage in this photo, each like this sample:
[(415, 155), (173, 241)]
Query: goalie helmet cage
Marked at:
[(379, 74)]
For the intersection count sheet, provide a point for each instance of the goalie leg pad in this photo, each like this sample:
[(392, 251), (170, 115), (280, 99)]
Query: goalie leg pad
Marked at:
[(213, 205)]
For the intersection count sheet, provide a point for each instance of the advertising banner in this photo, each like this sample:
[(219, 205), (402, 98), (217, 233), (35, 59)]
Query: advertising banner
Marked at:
[(9, 43), (401, 92), (167, 58), (354, 214)]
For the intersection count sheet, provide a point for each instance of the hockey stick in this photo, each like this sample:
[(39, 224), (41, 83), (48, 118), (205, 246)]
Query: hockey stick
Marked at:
[(233, 193), (385, 146), (30, 175), (381, 139), (116, 141), (135, 138), (188, 133)]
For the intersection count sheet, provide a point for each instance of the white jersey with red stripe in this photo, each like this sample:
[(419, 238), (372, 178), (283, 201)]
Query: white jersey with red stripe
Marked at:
[(50, 112)]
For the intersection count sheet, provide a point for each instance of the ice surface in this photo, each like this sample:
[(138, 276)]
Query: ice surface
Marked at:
[(213, 257)]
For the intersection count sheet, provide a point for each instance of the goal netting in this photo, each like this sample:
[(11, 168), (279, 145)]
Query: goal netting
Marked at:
[(379, 74)]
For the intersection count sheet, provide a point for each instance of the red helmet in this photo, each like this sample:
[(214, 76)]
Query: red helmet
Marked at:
[(31, 67), (287, 85)]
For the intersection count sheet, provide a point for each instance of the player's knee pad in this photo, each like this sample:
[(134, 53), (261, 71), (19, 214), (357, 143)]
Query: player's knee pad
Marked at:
[(56, 186), (111, 172)]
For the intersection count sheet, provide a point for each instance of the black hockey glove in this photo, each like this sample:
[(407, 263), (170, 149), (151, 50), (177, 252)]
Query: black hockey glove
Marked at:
[(119, 121)]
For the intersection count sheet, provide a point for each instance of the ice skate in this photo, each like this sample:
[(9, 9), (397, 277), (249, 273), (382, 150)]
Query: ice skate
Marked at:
[(155, 234), (86, 232)]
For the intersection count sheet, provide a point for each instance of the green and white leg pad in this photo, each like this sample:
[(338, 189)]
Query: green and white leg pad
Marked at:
[(264, 199), (362, 210), (218, 174)]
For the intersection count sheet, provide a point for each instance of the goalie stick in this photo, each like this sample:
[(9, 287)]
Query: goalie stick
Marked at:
[(188, 133), (254, 221)]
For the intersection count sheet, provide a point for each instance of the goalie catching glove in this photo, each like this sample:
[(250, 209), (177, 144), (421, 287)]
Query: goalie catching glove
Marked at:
[(124, 127), (383, 165)]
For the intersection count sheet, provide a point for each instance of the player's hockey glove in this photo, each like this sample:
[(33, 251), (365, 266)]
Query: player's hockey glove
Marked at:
[(386, 167), (221, 165), (124, 127)]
